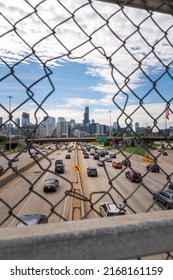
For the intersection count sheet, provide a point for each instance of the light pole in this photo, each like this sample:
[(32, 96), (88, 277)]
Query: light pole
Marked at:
[(10, 97), (110, 123)]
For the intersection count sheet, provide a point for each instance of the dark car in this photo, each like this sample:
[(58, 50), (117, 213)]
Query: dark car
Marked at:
[(108, 209), (32, 219), (133, 176), (96, 156), (153, 167), (1, 169), (86, 155), (165, 197), (165, 153), (58, 161), (113, 155), (102, 154), (59, 168), (170, 186), (68, 156), (92, 171), (14, 159), (51, 185), (126, 162)]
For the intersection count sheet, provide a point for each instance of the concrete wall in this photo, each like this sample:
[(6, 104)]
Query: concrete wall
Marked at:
[(124, 237)]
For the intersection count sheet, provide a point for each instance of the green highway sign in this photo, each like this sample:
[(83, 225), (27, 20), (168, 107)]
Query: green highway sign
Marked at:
[(101, 138)]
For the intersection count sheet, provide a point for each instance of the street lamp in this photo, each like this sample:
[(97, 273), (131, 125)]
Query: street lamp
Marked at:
[(110, 123), (10, 97)]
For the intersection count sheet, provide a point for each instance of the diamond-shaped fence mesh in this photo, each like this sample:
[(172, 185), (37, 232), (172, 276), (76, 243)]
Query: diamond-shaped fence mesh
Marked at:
[(130, 50)]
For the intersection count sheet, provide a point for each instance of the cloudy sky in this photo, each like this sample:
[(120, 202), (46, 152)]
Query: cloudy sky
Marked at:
[(59, 56)]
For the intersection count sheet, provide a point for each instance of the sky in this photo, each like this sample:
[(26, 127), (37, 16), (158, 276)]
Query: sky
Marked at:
[(73, 54)]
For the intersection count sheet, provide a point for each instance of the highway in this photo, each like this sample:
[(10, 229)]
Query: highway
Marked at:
[(25, 195)]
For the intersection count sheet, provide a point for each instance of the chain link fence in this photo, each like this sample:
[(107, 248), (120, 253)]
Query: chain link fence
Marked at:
[(130, 49)]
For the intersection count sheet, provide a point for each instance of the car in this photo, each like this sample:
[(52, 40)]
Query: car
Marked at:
[(14, 159), (59, 168), (58, 161), (170, 186), (68, 156), (108, 159), (51, 185), (102, 154), (32, 219), (100, 162), (165, 197), (153, 167), (1, 169), (96, 156), (165, 153), (113, 155), (86, 155), (92, 171), (117, 165), (133, 176), (126, 162), (108, 209)]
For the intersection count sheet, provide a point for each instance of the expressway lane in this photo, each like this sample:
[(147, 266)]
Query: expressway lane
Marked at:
[(16, 195), (139, 197), (23, 201)]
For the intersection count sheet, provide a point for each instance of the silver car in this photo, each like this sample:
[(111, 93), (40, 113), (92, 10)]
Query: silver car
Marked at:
[(108, 209), (165, 197)]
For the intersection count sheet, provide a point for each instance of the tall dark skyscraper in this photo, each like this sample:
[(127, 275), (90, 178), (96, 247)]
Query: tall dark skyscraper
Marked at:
[(86, 120), (86, 116)]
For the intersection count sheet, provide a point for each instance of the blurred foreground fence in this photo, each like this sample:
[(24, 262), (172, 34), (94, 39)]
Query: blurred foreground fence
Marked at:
[(130, 49)]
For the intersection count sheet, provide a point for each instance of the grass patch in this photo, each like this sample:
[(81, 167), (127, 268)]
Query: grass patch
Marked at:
[(140, 151)]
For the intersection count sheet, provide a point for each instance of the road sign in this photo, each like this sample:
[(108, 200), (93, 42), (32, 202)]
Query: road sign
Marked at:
[(76, 168), (101, 138)]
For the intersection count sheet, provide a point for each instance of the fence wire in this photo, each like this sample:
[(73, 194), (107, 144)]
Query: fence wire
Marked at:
[(108, 37)]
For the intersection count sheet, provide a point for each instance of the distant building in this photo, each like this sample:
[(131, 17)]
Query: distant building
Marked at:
[(136, 126), (25, 119), (62, 128), (94, 128), (17, 121)]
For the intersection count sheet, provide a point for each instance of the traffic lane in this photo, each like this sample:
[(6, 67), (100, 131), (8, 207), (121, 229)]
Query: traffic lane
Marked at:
[(33, 200), (139, 165), (98, 188), (141, 199)]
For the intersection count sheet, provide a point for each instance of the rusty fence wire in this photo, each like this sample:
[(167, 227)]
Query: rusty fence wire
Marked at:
[(111, 38)]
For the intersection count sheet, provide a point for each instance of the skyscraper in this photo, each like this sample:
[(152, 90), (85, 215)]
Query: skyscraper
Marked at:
[(25, 119), (86, 120)]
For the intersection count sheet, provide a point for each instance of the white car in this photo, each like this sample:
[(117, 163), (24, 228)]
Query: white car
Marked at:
[(108, 209)]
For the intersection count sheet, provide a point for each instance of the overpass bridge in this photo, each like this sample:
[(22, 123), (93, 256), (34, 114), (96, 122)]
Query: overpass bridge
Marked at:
[(94, 139), (72, 139)]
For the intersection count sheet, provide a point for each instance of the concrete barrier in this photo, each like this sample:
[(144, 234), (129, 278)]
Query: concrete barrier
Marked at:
[(122, 237)]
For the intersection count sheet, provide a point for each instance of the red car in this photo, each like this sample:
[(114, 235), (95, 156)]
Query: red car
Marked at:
[(133, 176), (117, 165)]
